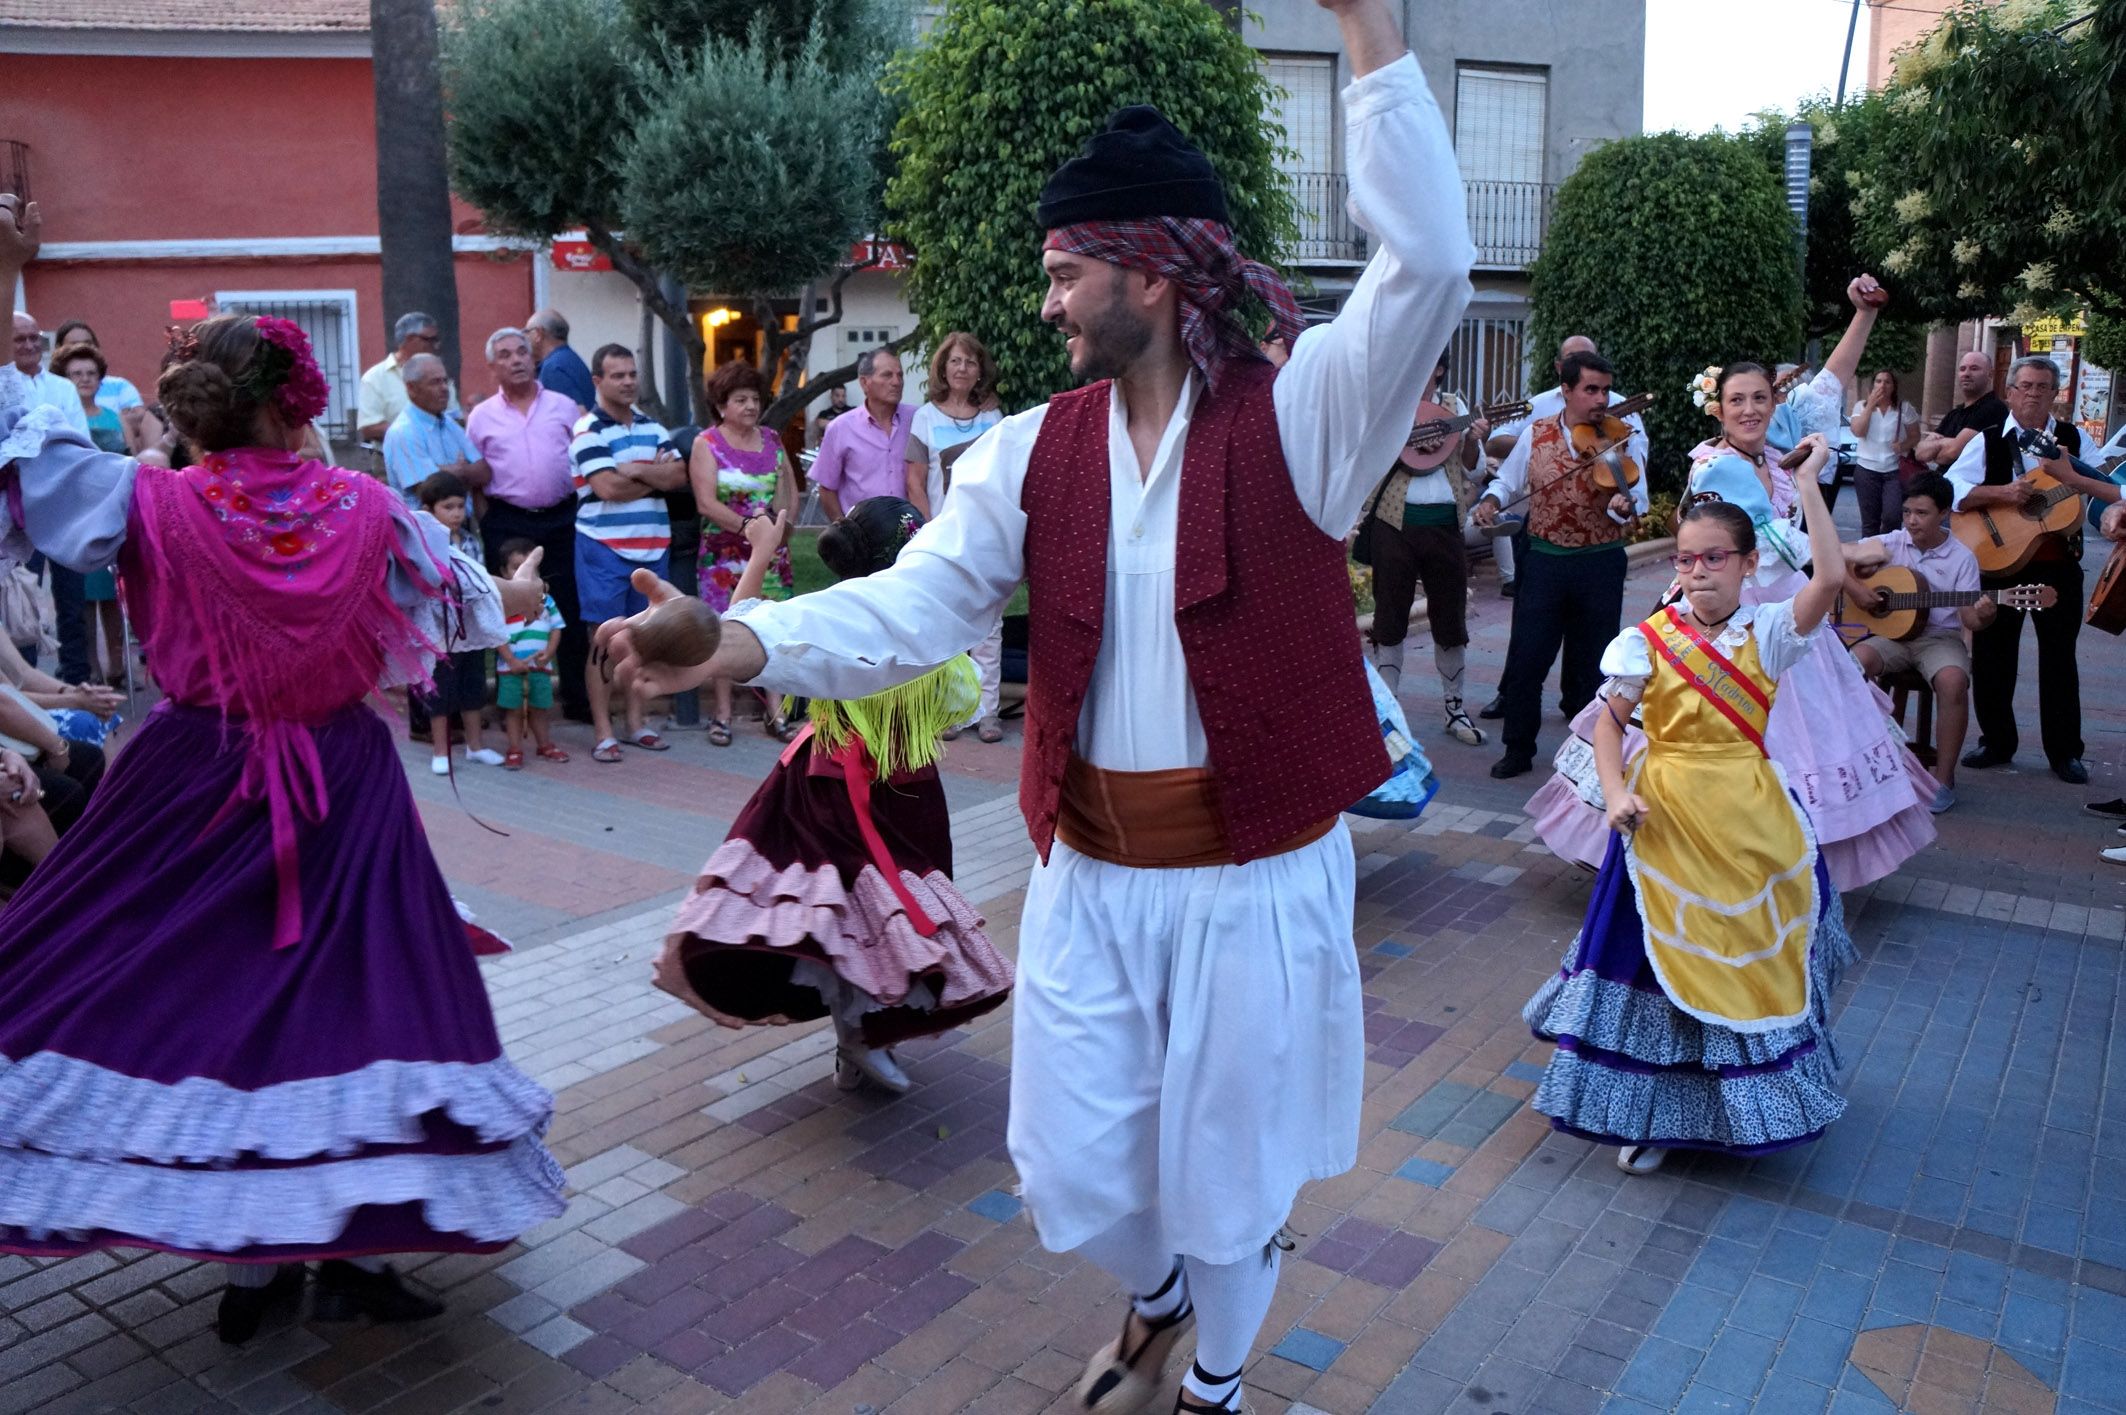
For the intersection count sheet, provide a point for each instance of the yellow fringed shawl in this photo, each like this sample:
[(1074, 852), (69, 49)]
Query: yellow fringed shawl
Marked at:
[(899, 727)]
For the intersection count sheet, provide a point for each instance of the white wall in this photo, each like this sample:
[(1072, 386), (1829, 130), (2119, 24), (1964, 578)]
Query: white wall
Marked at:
[(602, 307), (872, 302)]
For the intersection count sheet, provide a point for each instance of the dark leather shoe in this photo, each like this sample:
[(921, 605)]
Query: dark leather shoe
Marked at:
[(243, 1309), (1493, 710), (2071, 771), (1979, 758), (345, 1292), (1506, 768)]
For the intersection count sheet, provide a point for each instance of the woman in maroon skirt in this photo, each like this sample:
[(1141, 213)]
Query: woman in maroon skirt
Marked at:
[(833, 894)]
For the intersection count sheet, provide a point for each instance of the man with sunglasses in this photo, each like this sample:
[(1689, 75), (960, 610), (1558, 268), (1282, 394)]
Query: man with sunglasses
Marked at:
[(1993, 471), (383, 393)]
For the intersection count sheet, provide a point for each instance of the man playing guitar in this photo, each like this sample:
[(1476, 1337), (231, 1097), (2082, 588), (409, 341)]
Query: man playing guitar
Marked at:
[(1924, 546), (1994, 472)]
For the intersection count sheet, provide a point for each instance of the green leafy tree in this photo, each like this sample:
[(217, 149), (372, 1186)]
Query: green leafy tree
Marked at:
[(2105, 343), (1003, 94), (741, 163), (1672, 252), (1998, 186), (1849, 143)]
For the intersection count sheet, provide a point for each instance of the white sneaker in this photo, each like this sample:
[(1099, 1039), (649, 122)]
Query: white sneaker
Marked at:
[(486, 756), (439, 765), (1640, 1159), (855, 1064), (1944, 798), (2115, 856)]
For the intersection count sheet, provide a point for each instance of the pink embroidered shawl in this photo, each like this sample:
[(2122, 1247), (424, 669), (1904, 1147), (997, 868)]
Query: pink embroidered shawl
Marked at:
[(260, 583)]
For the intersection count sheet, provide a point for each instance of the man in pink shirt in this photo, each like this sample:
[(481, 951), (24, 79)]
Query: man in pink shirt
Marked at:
[(862, 457), (1941, 653), (523, 433)]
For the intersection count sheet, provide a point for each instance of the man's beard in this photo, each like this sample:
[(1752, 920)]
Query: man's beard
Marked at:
[(1109, 343)]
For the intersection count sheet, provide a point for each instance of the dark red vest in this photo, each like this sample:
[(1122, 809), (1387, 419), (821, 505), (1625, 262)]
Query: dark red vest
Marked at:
[(1262, 603)]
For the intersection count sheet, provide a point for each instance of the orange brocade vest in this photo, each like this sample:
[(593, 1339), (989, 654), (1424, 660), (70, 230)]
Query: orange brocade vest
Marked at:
[(1262, 604), (1564, 507)]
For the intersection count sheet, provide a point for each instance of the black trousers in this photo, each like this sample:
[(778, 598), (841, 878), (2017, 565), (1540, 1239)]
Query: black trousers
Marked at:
[(553, 528), (1997, 649), (1573, 602), (70, 606), (1405, 557)]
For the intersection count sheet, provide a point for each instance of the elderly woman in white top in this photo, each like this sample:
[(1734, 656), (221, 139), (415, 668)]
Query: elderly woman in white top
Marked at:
[(1886, 428)]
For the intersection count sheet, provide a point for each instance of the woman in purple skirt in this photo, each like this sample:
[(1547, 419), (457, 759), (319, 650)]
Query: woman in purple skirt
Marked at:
[(238, 1017), (833, 894)]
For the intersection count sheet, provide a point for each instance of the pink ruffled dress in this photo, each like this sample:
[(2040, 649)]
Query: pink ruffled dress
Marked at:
[(833, 892), (1844, 755)]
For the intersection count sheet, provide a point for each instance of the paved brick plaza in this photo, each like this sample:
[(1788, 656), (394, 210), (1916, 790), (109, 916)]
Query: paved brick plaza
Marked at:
[(741, 1236)]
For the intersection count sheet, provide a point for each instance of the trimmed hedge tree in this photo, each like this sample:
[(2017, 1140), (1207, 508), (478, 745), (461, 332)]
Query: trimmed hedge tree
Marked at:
[(1671, 253), (1003, 94)]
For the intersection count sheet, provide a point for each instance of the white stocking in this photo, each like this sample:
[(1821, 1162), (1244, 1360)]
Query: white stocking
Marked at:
[(1232, 1300), (1130, 1252)]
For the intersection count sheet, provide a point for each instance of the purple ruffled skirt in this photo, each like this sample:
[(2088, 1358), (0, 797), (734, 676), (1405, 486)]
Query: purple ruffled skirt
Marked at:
[(1632, 1068), (169, 1079)]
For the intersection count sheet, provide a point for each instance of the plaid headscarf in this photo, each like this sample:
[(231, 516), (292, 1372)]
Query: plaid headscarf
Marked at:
[(1198, 255)]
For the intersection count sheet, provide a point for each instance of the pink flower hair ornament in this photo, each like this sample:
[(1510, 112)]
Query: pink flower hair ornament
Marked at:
[(283, 372)]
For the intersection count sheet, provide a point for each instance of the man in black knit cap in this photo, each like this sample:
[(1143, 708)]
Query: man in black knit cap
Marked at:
[(1188, 1047)]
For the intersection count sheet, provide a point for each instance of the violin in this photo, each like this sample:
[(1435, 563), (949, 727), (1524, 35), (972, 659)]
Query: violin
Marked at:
[(1597, 445)]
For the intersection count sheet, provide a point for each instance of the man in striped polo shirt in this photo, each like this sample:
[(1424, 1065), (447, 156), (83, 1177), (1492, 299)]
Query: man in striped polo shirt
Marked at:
[(623, 463)]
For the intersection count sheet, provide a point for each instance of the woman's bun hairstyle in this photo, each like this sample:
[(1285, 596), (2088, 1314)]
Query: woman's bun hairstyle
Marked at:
[(198, 387)]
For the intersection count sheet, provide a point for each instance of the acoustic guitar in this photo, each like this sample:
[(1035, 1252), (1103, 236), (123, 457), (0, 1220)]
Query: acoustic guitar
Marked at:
[(1900, 611), (2107, 602), (2006, 538), (1431, 442)]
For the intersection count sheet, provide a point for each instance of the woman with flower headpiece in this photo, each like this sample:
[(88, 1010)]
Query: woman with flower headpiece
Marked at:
[(263, 1038), (833, 895), (1867, 796)]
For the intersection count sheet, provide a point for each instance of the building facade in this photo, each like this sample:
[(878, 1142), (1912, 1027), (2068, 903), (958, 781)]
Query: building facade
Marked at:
[(224, 154), (1526, 95), (253, 207)]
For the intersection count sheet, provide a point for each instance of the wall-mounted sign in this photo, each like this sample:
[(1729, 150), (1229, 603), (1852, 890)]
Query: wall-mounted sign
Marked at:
[(881, 255), (573, 251)]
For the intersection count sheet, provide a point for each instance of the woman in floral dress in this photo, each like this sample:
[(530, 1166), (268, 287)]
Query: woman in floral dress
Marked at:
[(739, 470)]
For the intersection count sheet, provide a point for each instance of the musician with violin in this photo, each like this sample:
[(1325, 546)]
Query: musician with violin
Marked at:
[(1412, 535), (2018, 506), (1583, 491), (1942, 571)]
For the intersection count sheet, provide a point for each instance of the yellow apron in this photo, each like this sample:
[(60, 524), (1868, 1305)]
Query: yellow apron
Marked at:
[(1725, 864)]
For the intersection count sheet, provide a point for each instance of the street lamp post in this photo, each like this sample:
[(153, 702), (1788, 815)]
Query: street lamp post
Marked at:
[(1800, 142)]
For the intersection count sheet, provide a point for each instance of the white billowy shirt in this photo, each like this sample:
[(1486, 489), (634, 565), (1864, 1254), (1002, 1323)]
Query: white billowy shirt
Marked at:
[(1344, 404)]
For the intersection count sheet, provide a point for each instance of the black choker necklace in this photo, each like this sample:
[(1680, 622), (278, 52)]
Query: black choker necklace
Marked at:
[(1714, 623)]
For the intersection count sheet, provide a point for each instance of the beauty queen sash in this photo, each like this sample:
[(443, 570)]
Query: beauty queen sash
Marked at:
[(1732, 692)]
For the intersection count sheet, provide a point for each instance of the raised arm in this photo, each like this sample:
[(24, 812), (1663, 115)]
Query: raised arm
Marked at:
[(1845, 359), (764, 535), (1346, 396), (1827, 570)]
